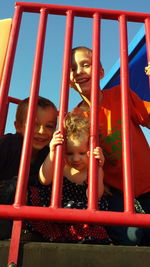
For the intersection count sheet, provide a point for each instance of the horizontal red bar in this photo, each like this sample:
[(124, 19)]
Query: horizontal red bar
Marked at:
[(74, 215), (82, 11), (13, 100)]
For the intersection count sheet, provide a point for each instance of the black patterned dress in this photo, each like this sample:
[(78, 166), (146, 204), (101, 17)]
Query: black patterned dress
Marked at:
[(73, 196)]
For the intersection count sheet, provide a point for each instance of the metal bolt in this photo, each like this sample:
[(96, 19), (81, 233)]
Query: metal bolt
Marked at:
[(12, 264)]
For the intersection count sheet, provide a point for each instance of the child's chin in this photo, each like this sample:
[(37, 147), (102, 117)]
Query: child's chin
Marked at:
[(38, 146)]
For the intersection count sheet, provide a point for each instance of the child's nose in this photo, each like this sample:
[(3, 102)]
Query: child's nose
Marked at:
[(75, 158), (79, 69), (41, 130)]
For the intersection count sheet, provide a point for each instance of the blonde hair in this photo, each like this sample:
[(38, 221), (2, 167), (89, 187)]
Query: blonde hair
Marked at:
[(76, 124)]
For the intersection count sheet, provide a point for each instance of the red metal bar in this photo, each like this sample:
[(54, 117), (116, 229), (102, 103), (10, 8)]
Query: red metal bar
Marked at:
[(9, 100), (147, 29), (125, 112), (13, 100), (27, 144), (83, 11), (9, 66), (75, 215), (93, 168), (20, 196), (4, 118), (14, 242), (53, 213), (58, 170)]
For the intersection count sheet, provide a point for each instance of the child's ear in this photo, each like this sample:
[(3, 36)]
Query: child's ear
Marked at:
[(88, 153), (101, 73)]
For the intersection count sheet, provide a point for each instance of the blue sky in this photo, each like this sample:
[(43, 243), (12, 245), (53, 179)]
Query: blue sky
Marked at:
[(53, 53)]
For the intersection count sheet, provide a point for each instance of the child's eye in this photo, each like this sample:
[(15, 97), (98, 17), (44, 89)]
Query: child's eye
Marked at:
[(86, 65), (82, 153), (68, 153), (49, 126)]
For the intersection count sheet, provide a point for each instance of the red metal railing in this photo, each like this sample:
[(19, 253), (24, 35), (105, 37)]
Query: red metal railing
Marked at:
[(19, 211), (127, 169)]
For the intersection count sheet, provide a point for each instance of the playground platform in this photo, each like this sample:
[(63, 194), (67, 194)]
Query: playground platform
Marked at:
[(39, 254)]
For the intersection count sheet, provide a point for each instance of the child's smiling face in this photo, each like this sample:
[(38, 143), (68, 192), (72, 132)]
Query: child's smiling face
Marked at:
[(81, 72), (45, 124)]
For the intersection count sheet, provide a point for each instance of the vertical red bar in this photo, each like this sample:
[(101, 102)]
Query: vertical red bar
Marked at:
[(125, 112), (14, 243), (147, 30), (27, 144), (93, 170), (58, 170), (8, 67)]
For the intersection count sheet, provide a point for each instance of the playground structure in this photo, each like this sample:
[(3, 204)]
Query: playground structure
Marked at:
[(19, 211)]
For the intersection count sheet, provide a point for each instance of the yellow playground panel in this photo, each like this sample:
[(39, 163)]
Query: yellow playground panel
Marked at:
[(5, 28)]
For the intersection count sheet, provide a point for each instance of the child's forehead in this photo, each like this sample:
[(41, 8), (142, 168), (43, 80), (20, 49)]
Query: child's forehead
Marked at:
[(81, 54), (48, 113)]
